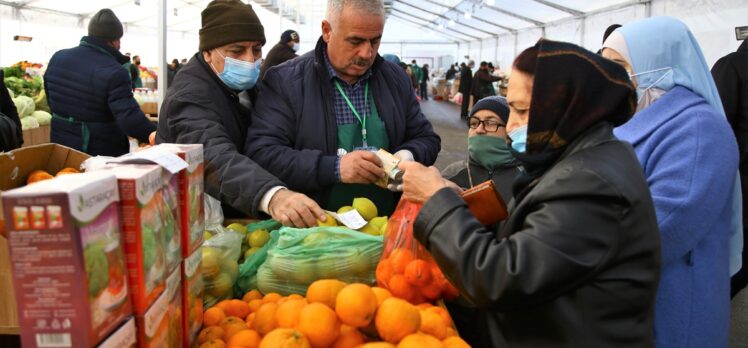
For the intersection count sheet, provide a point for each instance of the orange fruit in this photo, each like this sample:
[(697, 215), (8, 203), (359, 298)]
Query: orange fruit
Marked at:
[(443, 313), (319, 324), (432, 291), (377, 345), (252, 295), (400, 258), (271, 297), (250, 318), (68, 170), (38, 175), (384, 271), (232, 325), (433, 324), (237, 308), (264, 320), (210, 333), (420, 340), (254, 305), (245, 339), (451, 332), (455, 342), (356, 305), (399, 287), (424, 305), (349, 337), (382, 294), (396, 319), (295, 297), (213, 316), (418, 273), (213, 344), (324, 291), (223, 305), (286, 338), (287, 315)]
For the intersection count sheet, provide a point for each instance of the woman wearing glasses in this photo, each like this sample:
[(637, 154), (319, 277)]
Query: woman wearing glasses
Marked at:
[(489, 157)]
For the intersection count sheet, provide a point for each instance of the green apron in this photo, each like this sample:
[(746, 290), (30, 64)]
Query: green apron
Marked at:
[(350, 136)]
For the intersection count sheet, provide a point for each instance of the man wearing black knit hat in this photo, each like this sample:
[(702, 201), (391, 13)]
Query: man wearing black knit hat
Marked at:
[(89, 93), (282, 51), (209, 103)]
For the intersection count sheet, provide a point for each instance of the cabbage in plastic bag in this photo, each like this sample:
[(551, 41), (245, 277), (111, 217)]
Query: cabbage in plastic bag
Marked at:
[(302, 256), (44, 118), (25, 105)]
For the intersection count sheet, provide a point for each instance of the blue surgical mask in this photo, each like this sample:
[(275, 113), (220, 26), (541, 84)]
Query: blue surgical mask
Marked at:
[(519, 138), (296, 47), (238, 74)]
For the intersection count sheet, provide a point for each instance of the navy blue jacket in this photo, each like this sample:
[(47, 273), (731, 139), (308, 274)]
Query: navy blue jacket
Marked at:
[(294, 134), (89, 84)]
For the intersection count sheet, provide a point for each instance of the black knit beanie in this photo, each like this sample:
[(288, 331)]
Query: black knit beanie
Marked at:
[(105, 25), (496, 104), (227, 21)]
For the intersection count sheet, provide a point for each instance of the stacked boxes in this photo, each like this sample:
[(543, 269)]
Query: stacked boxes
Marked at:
[(67, 259), (192, 296)]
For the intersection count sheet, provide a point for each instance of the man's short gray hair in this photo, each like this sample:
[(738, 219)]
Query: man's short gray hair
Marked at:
[(335, 7)]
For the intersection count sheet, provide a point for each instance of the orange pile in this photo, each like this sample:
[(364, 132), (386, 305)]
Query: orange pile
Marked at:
[(333, 314), (414, 279)]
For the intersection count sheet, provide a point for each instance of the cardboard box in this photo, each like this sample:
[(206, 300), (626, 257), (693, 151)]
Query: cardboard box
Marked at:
[(192, 297), (124, 337), (141, 202), (67, 260), (149, 108), (191, 191), (36, 136), (153, 326), (19, 163), (174, 293)]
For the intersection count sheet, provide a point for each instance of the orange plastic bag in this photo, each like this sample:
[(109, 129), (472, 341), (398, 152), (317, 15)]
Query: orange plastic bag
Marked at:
[(407, 269)]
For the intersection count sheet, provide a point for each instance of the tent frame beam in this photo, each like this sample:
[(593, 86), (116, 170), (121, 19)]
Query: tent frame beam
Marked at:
[(454, 9), (444, 17), (396, 11), (516, 15), (560, 7)]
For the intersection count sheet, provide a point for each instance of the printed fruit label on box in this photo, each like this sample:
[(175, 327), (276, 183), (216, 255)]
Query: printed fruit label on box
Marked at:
[(192, 294), (125, 337), (74, 250), (140, 189), (153, 327), (191, 191), (172, 224)]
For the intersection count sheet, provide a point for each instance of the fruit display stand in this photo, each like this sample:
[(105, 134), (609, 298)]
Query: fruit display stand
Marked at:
[(19, 163)]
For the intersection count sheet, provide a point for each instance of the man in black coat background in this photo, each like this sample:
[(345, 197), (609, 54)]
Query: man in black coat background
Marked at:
[(466, 88), (284, 50)]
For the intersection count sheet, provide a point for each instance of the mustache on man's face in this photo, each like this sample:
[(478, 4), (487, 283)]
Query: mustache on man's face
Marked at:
[(361, 62)]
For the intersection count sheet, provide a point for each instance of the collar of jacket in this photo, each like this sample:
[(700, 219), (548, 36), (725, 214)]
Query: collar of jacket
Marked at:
[(595, 135), (649, 120), (229, 92), (744, 46), (319, 60), (121, 58)]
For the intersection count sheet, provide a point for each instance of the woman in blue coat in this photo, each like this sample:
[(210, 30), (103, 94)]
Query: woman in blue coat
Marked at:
[(690, 158)]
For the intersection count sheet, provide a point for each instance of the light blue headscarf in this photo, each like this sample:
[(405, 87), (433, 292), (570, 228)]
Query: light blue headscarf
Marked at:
[(664, 53)]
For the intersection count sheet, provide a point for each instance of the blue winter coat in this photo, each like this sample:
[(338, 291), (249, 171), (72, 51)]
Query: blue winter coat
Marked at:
[(88, 83), (689, 156), (294, 133)]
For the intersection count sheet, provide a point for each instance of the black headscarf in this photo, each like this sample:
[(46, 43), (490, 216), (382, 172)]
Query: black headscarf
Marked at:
[(573, 90)]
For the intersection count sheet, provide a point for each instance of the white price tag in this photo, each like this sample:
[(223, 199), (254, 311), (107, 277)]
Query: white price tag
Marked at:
[(168, 160), (351, 219)]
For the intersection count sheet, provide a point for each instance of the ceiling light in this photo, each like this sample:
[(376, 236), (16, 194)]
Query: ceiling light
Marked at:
[(451, 23), (490, 2), (468, 15)]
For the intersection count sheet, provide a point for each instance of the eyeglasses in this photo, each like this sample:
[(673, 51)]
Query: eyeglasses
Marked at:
[(488, 125)]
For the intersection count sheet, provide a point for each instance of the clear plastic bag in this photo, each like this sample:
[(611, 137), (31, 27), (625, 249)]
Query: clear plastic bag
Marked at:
[(220, 266), (248, 269), (406, 268), (301, 256), (213, 216)]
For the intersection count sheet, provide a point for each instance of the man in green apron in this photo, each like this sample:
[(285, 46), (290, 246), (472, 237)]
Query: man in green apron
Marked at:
[(322, 116)]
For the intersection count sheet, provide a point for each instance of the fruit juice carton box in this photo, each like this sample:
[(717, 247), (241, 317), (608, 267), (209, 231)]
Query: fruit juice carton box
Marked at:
[(68, 262), (192, 297), (153, 326), (125, 337), (174, 293), (142, 206), (191, 190), (172, 222)]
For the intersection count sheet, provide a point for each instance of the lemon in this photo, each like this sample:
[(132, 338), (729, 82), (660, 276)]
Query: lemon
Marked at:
[(329, 222), (250, 252), (365, 207), (315, 239), (258, 238), (221, 286), (207, 235), (370, 229), (344, 209), (211, 263), (238, 228), (383, 229), (378, 221)]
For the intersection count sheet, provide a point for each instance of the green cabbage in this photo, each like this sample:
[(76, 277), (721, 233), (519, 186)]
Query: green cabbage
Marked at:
[(25, 105), (29, 123), (12, 95), (43, 117)]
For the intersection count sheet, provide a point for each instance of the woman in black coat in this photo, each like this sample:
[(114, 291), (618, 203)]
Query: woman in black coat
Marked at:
[(576, 264), (11, 135)]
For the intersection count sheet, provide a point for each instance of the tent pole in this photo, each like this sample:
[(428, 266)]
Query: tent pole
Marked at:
[(161, 52), (496, 52)]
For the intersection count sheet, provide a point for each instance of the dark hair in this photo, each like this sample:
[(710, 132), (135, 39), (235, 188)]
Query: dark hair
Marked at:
[(527, 60), (610, 30), (414, 61)]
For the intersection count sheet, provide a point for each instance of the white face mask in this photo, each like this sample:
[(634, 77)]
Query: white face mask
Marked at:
[(649, 93), (296, 47)]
